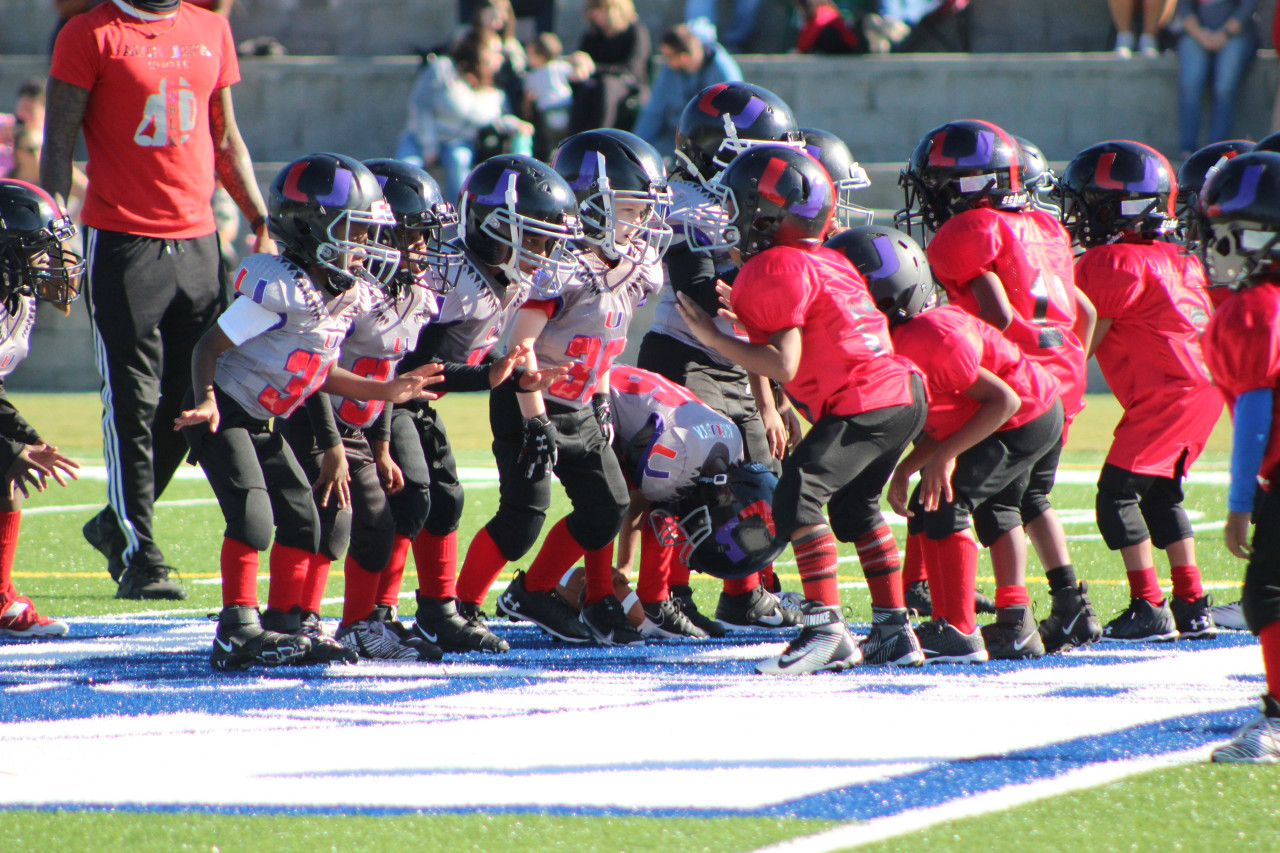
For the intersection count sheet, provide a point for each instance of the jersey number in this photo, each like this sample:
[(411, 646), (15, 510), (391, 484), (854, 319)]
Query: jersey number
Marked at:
[(1048, 292), (592, 355), (361, 413), (304, 366)]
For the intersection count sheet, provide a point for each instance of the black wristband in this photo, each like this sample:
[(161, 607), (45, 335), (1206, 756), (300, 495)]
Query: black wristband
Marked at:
[(256, 225)]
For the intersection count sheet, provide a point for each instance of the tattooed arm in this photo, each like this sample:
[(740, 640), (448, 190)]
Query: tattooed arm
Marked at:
[(234, 167), (63, 114)]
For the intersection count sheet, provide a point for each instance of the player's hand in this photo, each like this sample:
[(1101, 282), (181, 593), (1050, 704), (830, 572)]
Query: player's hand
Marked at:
[(500, 371), (262, 243), (935, 482), (725, 292), (204, 413), (775, 430), (602, 408), (898, 492), (389, 474), (54, 463), (24, 472), (334, 479), (541, 380), (1236, 534), (795, 429), (412, 384), (537, 447), (699, 321)]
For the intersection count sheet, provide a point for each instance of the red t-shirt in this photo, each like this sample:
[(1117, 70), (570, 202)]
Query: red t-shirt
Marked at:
[(847, 364), (146, 125), (949, 345), (1031, 253), (1242, 351), (1155, 296)]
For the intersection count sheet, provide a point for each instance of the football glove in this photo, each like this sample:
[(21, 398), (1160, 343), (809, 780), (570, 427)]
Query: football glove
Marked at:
[(537, 447), (603, 410)]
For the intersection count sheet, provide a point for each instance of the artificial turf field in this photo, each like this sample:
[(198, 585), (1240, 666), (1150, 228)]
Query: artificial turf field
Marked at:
[(120, 738)]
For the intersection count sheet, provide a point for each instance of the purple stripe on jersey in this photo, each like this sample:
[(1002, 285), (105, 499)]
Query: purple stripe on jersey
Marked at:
[(1246, 193), (750, 112), (888, 258), (817, 198), (259, 290), (341, 192), (643, 470), (283, 319), (985, 144)]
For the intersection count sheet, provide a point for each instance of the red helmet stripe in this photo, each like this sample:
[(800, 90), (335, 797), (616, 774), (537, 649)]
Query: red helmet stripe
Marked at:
[(769, 180), (704, 103), (290, 189)]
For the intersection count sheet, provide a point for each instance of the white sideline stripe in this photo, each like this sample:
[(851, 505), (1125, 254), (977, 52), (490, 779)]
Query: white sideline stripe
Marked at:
[(1003, 799)]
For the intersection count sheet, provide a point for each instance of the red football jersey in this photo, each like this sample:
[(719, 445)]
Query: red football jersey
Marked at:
[(847, 364), (949, 345), (146, 125), (1155, 296), (1242, 351), (1031, 253)]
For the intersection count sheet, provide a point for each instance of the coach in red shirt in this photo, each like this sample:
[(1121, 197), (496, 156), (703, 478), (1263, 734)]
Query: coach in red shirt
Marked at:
[(149, 83)]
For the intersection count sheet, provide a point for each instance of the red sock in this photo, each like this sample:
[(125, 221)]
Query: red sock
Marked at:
[(239, 574), (1144, 584), (559, 552), (599, 574), (361, 592), (679, 574), (317, 580), (436, 558), (768, 579), (1186, 582), (816, 558), (954, 560), (289, 567), (653, 585), (483, 564), (390, 577), (913, 560), (878, 553), (1269, 638), (740, 586), (9, 522), (1012, 596)]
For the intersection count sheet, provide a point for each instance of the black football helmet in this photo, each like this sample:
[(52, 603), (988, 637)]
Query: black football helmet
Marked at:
[(605, 167), (1270, 142), (315, 203), (33, 258), (846, 174), (1115, 188), (958, 166), (421, 211), (1037, 178), (776, 195), (724, 522), (726, 119), (1240, 211), (1191, 177), (509, 198), (894, 266)]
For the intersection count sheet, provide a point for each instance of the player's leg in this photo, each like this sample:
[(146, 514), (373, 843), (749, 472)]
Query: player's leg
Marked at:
[(1123, 529), (18, 616), (1171, 532)]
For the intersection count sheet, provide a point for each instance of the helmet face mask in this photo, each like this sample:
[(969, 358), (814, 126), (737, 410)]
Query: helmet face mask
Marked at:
[(1037, 178), (1192, 176), (1239, 211), (726, 119), (422, 216), (776, 195), (34, 260), (847, 175), (1117, 188)]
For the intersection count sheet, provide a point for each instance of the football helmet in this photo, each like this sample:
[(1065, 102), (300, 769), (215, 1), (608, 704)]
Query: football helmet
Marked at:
[(1037, 178), (776, 195), (1240, 209), (723, 523), (1268, 143), (958, 166), (33, 258), (894, 266), (1115, 188), (726, 119), (420, 210), (1191, 177), (605, 167), (508, 200), (327, 210), (846, 174)]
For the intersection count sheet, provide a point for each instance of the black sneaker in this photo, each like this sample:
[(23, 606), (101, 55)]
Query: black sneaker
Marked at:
[(824, 645), (149, 583), (324, 648), (891, 640), (240, 642), (103, 533), (373, 640), (942, 642), (439, 622), (919, 602), (547, 610), (608, 623), (387, 615), (755, 609), (1014, 635), (983, 603), (682, 597), (1072, 621), (1143, 622), (1194, 619), (664, 619)]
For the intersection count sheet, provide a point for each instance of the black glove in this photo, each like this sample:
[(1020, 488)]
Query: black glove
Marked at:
[(537, 447), (603, 410)]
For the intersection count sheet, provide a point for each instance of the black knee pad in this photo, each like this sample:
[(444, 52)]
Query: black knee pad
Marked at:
[(1120, 520), (410, 508), (371, 549), (297, 520), (251, 522), (1260, 602), (335, 532), (597, 526), (851, 525), (993, 520), (1162, 510), (445, 511), (515, 531)]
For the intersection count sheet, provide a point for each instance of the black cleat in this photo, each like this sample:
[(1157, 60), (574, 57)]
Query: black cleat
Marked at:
[(608, 623), (324, 648), (665, 620), (439, 622), (1072, 621), (547, 610), (388, 615), (891, 640), (1143, 622), (682, 597), (943, 642), (824, 645), (1014, 635), (149, 583), (1194, 619), (758, 608), (241, 642)]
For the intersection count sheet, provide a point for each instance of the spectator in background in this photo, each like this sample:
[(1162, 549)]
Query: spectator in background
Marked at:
[(744, 21), (690, 64), (543, 13), (825, 29), (28, 110), (1218, 41), (617, 43), (548, 95), (499, 18), (453, 101), (1155, 14)]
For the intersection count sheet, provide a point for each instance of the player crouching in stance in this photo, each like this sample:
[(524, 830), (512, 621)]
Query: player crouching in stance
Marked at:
[(1240, 212), (269, 351), (992, 414), (813, 327), (33, 265), (1152, 303)]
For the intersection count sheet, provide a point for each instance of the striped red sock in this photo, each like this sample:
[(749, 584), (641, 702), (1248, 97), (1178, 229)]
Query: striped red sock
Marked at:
[(436, 559), (652, 584), (389, 579), (816, 559), (741, 586), (1186, 582), (559, 552), (913, 560), (483, 563), (878, 554), (599, 574), (289, 567), (239, 574), (361, 593), (1143, 583), (1012, 596), (1269, 639), (317, 580)]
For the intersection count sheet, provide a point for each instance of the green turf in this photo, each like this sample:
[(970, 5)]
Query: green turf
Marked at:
[(1182, 808)]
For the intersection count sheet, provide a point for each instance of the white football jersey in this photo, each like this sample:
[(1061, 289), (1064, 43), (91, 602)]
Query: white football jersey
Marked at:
[(271, 372), (15, 332), (474, 314), (686, 431)]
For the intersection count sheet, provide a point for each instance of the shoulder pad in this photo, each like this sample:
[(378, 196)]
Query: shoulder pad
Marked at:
[(273, 282)]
